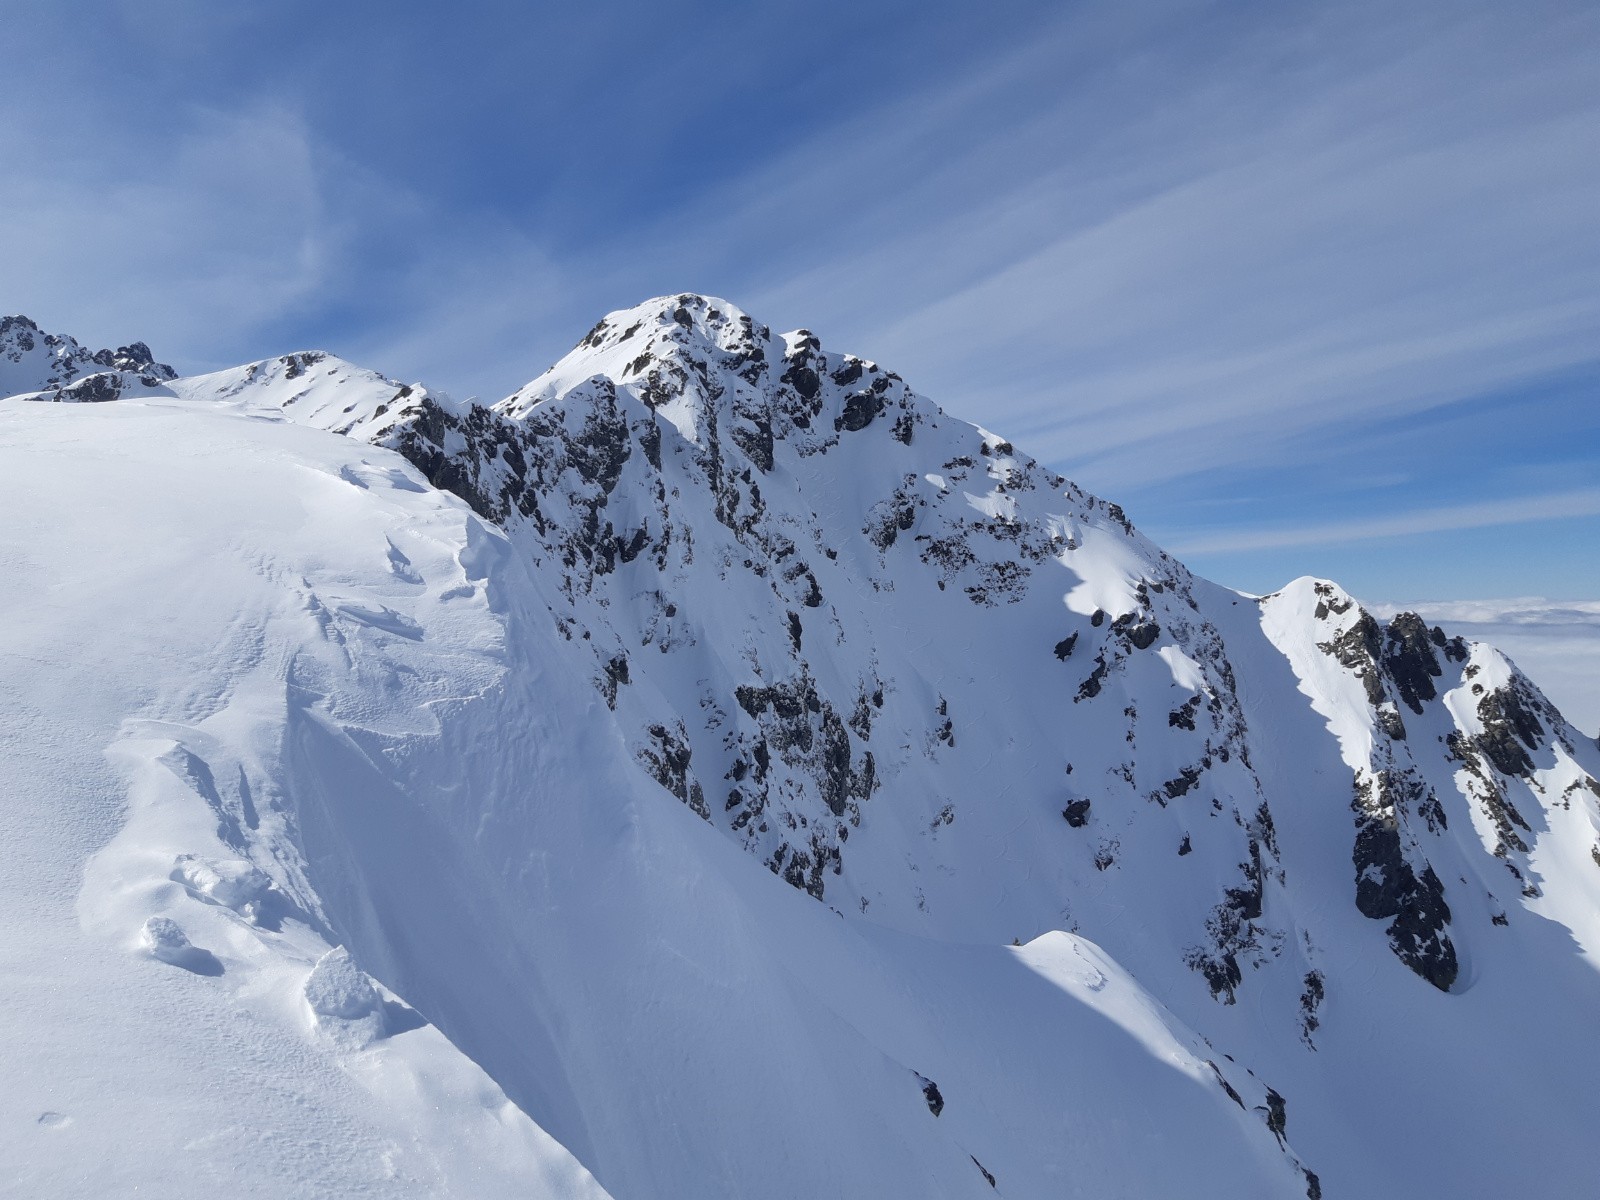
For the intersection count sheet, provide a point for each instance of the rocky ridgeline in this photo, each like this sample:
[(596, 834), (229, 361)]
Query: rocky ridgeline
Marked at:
[(1451, 728), (58, 368)]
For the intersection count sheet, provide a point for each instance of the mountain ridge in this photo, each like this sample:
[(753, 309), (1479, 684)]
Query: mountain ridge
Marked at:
[(935, 687)]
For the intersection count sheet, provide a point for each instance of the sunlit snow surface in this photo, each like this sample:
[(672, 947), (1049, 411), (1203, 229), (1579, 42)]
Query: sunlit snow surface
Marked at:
[(180, 583), (333, 871)]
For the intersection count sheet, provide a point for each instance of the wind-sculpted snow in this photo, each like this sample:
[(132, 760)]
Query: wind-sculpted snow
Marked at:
[(779, 787), (180, 580)]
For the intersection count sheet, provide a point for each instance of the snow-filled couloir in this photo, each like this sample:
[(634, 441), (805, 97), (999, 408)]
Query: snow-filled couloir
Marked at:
[(715, 770)]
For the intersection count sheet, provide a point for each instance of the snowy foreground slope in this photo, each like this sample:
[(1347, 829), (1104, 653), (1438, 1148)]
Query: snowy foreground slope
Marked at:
[(714, 771)]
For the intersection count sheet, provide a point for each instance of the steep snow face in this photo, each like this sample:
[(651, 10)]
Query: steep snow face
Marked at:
[(791, 704), (51, 367), (184, 588)]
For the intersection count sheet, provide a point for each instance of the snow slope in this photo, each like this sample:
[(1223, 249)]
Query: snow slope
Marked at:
[(174, 577), (778, 787)]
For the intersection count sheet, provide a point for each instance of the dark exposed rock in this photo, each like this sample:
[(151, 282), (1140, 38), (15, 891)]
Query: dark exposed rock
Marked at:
[(1139, 633), (1409, 660), (296, 365), (1077, 813), (1311, 996), (1510, 730), (756, 441), (99, 388), (1181, 786), (615, 673), (1490, 791), (1065, 645), (1232, 930), (1090, 687), (930, 1093), (667, 761), (1005, 579), (1182, 717), (1220, 971), (803, 380), (1358, 648), (888, 519), (1233, 1092), (1246, 901), (859, 411), (1388, 887), (987, 1177), (1277, 1115)]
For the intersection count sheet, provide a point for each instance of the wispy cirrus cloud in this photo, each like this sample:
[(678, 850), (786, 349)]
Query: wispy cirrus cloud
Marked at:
[(1186, 251), (1579, 502)]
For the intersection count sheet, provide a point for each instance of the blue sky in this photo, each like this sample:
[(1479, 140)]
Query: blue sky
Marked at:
[(1307, 288)]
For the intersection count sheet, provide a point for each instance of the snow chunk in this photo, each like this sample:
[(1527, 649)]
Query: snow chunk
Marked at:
[(233, 883), (164, 939), (344, 1004)]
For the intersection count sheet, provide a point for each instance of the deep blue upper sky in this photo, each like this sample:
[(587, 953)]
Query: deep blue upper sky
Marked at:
[(1308, 289)]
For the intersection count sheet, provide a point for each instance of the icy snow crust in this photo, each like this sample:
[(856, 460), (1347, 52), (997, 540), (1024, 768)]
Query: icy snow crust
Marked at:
[(733, 756)]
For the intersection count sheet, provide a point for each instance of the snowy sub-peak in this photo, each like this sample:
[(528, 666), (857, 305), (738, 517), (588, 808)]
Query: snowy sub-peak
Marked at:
[(315, 388), (52, 367), (768, 779)]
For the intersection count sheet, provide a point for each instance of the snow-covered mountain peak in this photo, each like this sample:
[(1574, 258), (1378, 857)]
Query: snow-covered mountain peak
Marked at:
[(56, 367), (318, 389), (760, 709), (626, 345), (702, 363)]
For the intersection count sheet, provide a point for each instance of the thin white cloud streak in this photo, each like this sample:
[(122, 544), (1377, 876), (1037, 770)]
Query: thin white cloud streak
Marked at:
[(1579, 502)]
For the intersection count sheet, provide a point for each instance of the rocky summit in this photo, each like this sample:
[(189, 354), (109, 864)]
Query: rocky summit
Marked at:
[(715, 770)]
